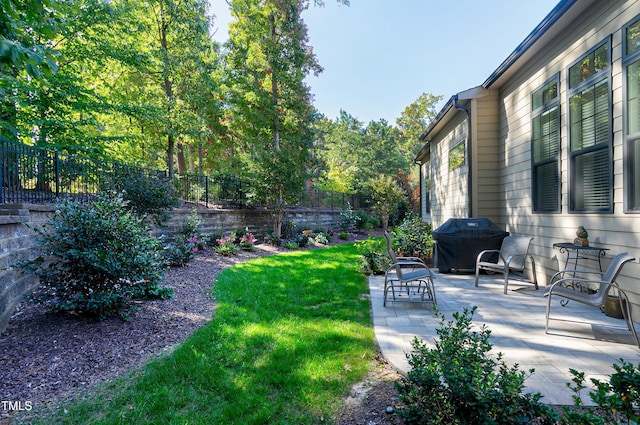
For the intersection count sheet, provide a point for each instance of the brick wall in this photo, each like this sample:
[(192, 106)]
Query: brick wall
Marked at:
[(18, 243)]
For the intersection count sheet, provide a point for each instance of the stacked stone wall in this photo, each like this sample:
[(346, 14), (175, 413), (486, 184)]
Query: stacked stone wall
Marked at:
[(18, 242)]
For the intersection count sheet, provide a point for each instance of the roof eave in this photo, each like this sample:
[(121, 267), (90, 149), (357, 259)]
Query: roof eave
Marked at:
[(551, 19)]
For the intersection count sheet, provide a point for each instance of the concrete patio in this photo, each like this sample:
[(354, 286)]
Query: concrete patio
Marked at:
[(579, 337)]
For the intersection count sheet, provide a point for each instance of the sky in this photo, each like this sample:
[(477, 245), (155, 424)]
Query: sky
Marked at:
[(380, 55)]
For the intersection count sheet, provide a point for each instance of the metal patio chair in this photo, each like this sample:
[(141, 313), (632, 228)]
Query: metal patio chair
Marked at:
[(409, 274), (577, 288), (511, 257)]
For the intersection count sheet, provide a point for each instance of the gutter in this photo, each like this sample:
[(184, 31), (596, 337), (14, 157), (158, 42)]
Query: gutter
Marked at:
[(467, 110), (530, 40), (445, 109)]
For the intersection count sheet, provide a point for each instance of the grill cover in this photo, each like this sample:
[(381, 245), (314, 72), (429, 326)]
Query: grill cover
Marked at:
[(459, 241)]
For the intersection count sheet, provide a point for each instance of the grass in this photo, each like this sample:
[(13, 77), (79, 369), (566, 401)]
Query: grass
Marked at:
[(291, 334)]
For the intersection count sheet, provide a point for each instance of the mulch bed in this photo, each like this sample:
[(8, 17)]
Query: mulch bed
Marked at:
[(47, 358)]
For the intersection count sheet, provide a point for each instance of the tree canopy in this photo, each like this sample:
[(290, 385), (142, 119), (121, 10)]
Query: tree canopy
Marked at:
[(142, 82)]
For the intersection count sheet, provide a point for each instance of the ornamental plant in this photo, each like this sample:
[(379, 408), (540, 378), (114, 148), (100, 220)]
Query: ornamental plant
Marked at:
[(247, 242), (618, 400), (373, 256), (226, 246), (186, 244), (97, 258), (146, 194), (413, 238), (460, 382)]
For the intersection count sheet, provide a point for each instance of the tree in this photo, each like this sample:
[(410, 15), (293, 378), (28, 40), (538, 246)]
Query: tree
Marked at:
[(386, 195), (268, 60), (414, 120), (26, 26)]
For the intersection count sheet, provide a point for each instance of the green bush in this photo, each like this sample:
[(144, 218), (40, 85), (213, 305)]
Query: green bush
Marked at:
[(459, 382), (227, 245), (99, 257), (373, 256), (350, 219), (365, 221), (413, 238), (305, 237), (146, 195), (344, 235), (184, 246), (291, 245), (288, 229), (618, 400)]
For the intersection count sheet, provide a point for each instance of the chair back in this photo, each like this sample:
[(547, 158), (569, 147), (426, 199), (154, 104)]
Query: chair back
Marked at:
[(392, 254), (518, 246), (616, 267)]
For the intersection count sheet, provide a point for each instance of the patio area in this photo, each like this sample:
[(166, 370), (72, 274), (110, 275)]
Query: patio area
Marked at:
[(579, 337)]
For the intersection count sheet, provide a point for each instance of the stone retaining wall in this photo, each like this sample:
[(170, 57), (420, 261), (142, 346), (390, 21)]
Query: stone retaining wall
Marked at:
[(18, 242)]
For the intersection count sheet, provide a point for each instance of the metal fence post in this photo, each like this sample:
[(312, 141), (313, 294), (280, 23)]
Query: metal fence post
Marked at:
[(206, 191), (56, 173)]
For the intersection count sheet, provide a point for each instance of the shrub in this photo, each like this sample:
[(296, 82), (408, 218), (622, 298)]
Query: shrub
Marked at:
[(212, 238), (618, 400), (291, 245), (288, 229), (413, 238), (321, 238), (344, 235), (302, 240), (373, 256), (247, 242), (273, 240), (400, 214), (186, 243), (350, 219), (226, 245), (99, 256), (146, 195), (459, 382)]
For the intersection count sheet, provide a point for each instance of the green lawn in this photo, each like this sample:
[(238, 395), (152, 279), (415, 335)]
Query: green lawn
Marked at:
[(291, 334)]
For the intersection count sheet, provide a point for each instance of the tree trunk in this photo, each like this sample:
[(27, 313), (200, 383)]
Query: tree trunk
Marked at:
[(170, 144), (182, 168), (168, 92), (274, 93)]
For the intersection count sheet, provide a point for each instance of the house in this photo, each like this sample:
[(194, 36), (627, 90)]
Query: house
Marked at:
[(551, 140)]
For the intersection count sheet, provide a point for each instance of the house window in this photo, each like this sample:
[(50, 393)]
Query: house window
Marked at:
[(632, 62), (590, 132), (456, 156), (545, 147)]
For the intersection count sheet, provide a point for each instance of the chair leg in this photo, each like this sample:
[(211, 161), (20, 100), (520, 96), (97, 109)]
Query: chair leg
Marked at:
[(433, 291), (546, 325), (477, 275), (388, 283), (626, 312), (533, 271), (506, 279)]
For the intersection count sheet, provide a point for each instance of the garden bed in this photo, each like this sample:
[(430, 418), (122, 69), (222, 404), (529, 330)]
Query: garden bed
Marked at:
[(47, 358)]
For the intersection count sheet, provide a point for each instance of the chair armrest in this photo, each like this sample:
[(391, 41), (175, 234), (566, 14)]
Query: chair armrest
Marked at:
[(407, 263), (486, 251), (417, 259), (511, 257), (563, 283), (560, 274)]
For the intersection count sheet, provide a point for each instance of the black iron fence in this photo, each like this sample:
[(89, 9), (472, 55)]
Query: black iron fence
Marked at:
[(36, 175)]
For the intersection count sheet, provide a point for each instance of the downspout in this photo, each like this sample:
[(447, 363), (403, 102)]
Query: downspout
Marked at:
[(468, 153), (421, 182)]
